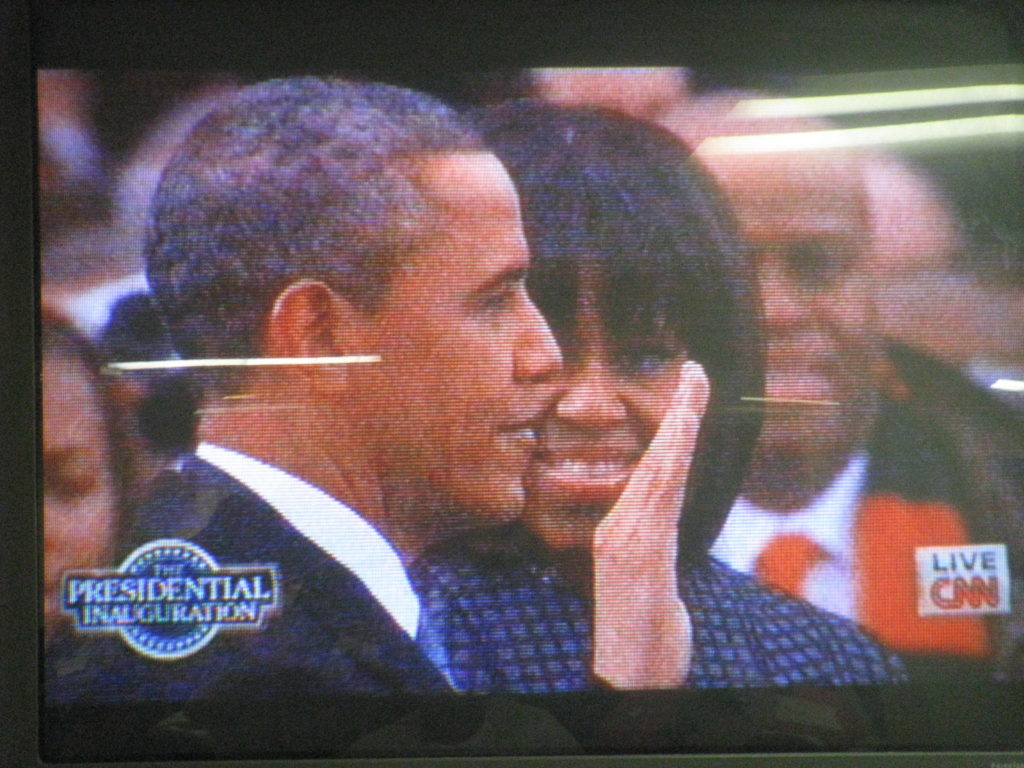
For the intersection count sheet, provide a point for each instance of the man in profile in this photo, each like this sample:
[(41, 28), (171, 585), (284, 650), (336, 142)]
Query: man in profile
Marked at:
[(303, 223), (852, 476)]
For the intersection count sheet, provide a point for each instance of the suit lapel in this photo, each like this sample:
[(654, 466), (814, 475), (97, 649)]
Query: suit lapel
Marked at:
[(319, 594)]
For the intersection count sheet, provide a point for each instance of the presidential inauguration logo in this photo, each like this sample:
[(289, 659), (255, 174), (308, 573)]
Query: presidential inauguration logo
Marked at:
[(169, 598)]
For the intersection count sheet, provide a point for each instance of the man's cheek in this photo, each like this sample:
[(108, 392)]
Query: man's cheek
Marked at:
[(853, 304)]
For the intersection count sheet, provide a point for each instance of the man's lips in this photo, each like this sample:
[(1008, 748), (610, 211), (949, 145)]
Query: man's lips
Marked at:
[(810, 373), (805, 385), (521, 436), (800, 362)]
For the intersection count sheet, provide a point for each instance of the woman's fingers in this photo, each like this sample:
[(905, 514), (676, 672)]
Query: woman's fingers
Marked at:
[(667, 459), (656, 488), (643, 636)]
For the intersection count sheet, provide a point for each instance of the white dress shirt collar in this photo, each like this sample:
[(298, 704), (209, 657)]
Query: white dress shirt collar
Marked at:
[(828, 520), (332, 526)]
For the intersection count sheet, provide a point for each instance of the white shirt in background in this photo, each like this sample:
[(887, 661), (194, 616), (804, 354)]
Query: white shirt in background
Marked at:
[(828, 521)]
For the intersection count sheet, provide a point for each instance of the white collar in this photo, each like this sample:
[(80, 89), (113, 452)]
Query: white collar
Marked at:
[(331, 525), (827, 520)]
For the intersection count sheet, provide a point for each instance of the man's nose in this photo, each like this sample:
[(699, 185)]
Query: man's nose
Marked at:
[(591, 398), (537, 356)]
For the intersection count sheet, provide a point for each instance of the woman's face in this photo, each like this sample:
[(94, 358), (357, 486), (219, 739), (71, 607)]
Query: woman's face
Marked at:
[(79, 501), (610, 405)]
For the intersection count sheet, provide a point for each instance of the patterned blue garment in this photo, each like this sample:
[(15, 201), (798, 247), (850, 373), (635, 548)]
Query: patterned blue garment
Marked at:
[(512, 623)]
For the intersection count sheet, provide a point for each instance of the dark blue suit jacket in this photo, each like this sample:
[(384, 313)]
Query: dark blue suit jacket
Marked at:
[(330, 636)]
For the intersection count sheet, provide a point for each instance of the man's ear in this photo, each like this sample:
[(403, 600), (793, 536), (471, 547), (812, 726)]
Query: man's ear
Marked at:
[(309, 320)]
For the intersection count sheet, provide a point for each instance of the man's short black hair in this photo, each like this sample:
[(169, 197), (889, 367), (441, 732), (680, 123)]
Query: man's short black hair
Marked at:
[(622, 197), (290, 179)]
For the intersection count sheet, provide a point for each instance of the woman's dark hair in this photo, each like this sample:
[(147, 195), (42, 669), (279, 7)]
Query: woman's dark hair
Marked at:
[(606, 192)]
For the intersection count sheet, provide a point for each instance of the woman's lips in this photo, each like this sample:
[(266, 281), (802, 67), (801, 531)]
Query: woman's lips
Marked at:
[(582, 478)]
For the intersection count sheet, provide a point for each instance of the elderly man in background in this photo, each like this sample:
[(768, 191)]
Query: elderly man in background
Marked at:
[(853, 476)]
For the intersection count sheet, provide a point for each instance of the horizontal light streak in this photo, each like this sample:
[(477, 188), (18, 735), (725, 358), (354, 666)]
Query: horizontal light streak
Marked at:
[(234, 362), (803, 141), (1008, 385), (787, 401), (250, 408), (846, 104)]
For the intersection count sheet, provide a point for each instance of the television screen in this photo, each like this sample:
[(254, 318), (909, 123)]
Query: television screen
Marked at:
[(525, 408)]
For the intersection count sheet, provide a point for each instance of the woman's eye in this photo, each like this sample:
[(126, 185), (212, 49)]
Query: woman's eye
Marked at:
[(645, 362), (69, 478)]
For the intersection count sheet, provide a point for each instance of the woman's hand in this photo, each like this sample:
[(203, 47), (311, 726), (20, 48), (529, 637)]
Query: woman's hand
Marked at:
[(642, 630)]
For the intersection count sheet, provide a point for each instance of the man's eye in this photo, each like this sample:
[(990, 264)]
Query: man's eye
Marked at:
[(500, 299)]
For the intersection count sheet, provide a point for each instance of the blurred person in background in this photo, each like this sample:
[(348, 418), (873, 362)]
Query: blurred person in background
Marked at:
[(82, 493), (104, 140), (852, 473), (99, 167), (938, 271), (642, 92), (73, 181), (638, 271)]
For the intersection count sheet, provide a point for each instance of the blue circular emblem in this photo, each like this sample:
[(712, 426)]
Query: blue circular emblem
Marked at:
[(165, 637)]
